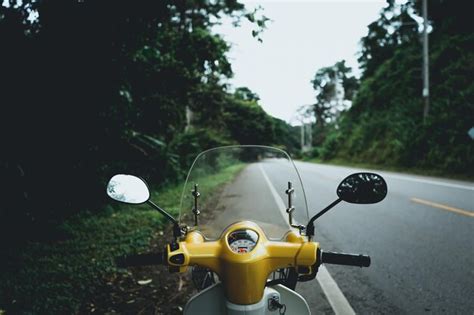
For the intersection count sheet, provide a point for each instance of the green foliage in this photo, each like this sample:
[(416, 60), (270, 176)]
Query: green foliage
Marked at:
[(58, 277), (188, 145), (223, 118), (384, 125), (328, 149), (55, 278), (92, 89), (286, 137), (245, 94), (394, 28), (334, 87), (248, 123)]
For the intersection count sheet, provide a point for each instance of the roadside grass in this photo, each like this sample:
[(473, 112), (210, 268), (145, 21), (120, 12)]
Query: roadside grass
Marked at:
[(53, 278), (390, 168), (57, 277)]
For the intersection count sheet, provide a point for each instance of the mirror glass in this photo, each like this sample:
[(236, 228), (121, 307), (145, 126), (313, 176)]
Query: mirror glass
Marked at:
[(128, 189), (363, 188)]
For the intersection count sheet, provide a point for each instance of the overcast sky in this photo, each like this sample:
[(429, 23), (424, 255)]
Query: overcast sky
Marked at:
[(302, 37)]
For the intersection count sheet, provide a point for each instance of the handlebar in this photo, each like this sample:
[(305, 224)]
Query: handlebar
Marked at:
[(325, 258), (140, 260), (345, 259)]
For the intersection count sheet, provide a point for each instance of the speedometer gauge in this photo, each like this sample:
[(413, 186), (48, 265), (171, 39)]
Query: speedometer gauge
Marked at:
[(242, 241)]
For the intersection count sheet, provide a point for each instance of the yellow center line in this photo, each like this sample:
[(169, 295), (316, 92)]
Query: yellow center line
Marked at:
[(443, 207)]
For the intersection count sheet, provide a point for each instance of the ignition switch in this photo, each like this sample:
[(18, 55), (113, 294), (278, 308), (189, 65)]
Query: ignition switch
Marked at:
[(274, 304)]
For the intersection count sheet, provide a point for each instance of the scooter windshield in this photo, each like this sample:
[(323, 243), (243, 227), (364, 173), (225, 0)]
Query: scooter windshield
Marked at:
[(242, 183)]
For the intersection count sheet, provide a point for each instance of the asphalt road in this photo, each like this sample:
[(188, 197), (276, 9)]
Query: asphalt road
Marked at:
[(420, 239)]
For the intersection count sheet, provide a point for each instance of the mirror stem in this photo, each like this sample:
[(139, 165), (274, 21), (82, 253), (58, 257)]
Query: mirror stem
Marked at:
[(163, 212), (310, 226)]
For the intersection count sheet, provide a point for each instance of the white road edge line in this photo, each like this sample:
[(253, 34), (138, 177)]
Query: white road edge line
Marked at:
[(401, 177), (334, 295), (278, 200), (336, 298), (427, 181)]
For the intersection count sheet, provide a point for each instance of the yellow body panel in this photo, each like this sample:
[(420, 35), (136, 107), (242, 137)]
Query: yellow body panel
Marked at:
[(244, 275)]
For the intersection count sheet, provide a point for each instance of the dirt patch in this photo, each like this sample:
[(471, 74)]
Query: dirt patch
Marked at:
[(143, 290)]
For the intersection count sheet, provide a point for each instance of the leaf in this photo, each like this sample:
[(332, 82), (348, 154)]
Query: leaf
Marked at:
[(144, 282)]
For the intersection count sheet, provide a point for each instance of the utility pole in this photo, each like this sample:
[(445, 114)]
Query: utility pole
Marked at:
[(302, 136), (426, 83), (302, 116), (306, 136), (310, 136)]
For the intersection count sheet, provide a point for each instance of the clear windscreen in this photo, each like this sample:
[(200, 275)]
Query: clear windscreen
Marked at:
[(243, 183)]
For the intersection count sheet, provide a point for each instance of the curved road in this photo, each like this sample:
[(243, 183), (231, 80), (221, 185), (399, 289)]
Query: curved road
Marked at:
[(420, 239)]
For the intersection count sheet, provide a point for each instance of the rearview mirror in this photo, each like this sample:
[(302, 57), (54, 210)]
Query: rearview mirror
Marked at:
[(128, 189), (362, 188)]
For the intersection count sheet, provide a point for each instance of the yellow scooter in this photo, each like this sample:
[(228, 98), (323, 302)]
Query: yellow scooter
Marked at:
[(246, 247)]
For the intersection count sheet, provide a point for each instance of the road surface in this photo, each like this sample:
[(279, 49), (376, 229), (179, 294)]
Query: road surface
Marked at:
[(420, 239)]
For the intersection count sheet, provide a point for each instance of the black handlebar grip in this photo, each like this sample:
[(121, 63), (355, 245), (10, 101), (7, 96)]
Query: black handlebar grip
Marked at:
[(345, 259), (140, 260)]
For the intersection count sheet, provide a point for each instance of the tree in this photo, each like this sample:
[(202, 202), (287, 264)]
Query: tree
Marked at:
[(395, 27), (90, 89), (245, 94), (334, 87), (384, 124)]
